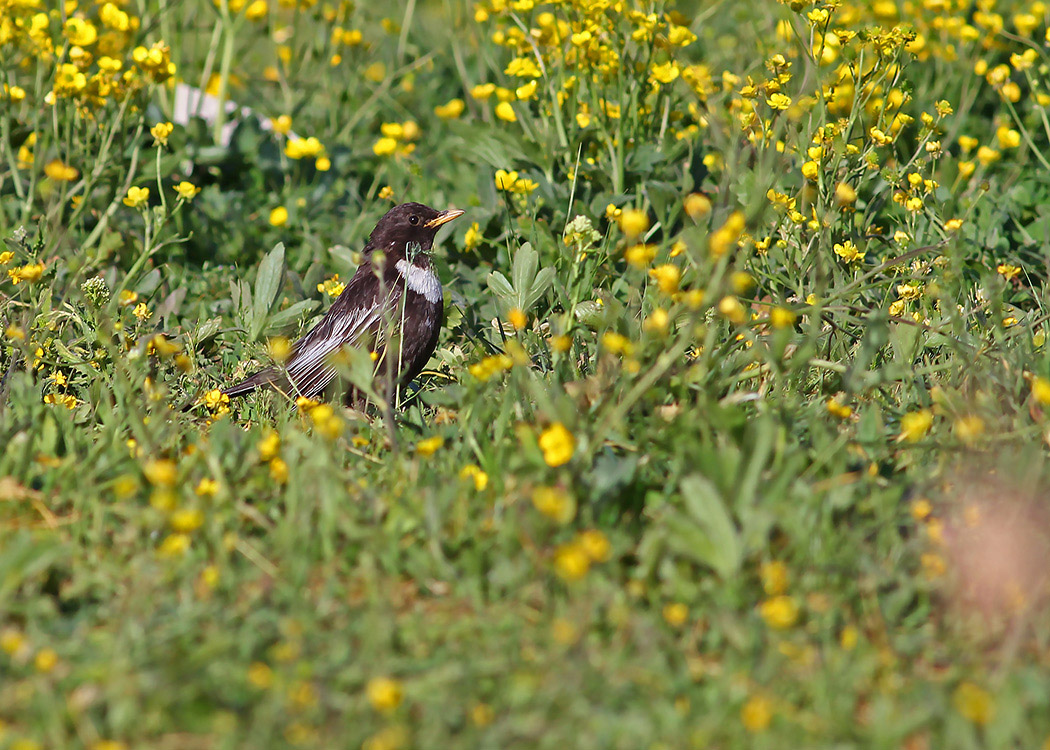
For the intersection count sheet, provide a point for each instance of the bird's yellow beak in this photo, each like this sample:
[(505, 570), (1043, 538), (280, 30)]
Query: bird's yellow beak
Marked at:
[(444, 218)]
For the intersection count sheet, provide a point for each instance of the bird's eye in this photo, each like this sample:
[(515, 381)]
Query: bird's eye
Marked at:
[(413, 219)]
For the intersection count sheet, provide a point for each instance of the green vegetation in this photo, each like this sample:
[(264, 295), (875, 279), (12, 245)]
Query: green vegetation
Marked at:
[(735, 436)]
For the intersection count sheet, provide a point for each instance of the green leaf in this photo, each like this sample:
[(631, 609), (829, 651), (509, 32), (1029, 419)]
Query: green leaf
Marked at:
[(705, 508), (267, 287), (499, 285), (286, 317), (523, 271), (540, 284)]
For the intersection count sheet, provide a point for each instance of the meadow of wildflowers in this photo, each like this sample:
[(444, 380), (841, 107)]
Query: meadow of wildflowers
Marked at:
[(736, 434)]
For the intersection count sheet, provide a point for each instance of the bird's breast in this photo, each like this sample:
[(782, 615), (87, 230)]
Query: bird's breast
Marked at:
[(422, 281)]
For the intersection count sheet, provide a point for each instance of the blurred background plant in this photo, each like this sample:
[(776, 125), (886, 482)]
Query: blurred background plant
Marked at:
[(740, 396)]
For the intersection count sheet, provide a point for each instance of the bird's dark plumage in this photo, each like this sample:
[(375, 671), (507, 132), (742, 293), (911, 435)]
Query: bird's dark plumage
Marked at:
[(395, 297)]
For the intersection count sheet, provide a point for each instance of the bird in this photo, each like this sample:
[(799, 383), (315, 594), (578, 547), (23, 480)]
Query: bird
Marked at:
[(394, 297)]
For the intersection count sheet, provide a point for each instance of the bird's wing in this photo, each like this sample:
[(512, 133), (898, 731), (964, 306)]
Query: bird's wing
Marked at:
[(309, 368)]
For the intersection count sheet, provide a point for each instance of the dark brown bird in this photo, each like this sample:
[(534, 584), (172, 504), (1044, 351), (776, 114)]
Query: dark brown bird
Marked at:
[(395, 296)]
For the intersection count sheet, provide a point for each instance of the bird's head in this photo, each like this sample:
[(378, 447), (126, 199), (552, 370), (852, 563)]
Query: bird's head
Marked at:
[(410, 224)]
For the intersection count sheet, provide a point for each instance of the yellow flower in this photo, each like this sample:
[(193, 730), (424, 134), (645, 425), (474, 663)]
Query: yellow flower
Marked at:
[(11, 641), (45, 660), (657, 322), (915, 425), (279, 216), (675, 614), (987, 155), (633, 222), (697, 205), (523, 67), (665, 73), (451, 110), (727, 235), (774, 577), (260, 675), (142, 312), (206, 487), (269, 446), (30, 273), (279, 348), (217, 401), (6, 257), (186, 520), (187, 190), (481, 479), (61, 172), (781, 317), (483, 91), (779, 101), (518, 319), (557, 444), (849, 252), (779, 612), (969, 427), (555, 503), (667, 277), (80, 32), (161, 472), (384, 147), (640, 256), (756, 714), (429, 446), (278, 470), (595, 544), (571, 562), (333, 287), (256, 10), (303, 148), (384, 693), (506, 112), (733, 311), (326, 421), (1008, 137), (526, 92), (974, 703), (174, 545), (161, 131), (845, 195), (1041, 390), (136, 196), (1007, 271), (472, 237), (505, 180), (837, 409)]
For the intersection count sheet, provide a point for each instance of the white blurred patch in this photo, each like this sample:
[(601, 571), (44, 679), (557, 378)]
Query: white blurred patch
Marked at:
[(191, 102)]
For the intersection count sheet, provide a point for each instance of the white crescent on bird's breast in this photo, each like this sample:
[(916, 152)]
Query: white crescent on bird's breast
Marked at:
[(420, 280)]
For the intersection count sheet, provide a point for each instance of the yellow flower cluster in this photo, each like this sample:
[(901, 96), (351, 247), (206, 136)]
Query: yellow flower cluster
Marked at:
[(557, 445), (397, 139), (574, 559), (511, 182), (491, 366)]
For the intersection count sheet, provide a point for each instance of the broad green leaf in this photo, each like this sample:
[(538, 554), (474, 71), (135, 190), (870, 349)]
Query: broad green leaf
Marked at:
[(526, 261), (705, 507), (499, 285), (267, 287), (286, 317)]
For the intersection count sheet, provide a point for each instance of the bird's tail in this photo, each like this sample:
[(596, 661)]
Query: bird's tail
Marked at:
[(268, 376)]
